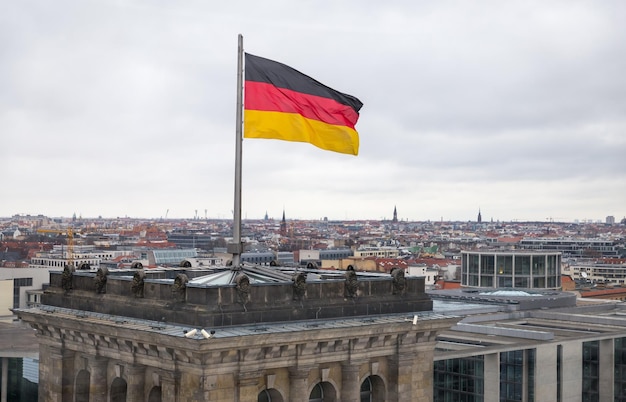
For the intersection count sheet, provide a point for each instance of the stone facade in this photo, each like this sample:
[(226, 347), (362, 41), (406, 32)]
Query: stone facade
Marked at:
[(108, 346)]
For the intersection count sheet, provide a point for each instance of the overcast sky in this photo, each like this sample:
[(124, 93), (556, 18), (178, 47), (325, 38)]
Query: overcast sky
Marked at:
[(127, 108)]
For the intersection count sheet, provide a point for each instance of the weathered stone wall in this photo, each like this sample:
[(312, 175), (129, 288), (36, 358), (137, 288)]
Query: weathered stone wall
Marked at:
[(156, 357), (216, 306), (396, 355)]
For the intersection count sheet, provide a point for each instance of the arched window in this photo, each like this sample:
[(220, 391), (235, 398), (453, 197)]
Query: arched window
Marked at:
[(372, 389), (270, 395), (317, 393), (118, 390), (155, 394), (366, 390), (323, 392), (82, 386)]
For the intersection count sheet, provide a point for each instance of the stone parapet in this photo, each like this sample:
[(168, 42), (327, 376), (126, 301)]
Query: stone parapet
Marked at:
[(218, 306)]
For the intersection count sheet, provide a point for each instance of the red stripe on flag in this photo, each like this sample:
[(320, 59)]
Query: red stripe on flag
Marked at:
[(267, 97)]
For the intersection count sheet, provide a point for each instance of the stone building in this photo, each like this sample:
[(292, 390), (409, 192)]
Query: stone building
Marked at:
[(244, 334)]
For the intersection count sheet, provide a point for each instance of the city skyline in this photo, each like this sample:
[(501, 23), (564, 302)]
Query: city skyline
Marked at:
[(128, 109), (608, 220)]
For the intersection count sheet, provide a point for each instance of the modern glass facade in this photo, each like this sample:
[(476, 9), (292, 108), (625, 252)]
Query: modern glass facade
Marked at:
[(22, 379), (173, 256), (463, 379), (517, 376), (459, 380), (17, 284), (191, 240), (591, 371), (495, 269)]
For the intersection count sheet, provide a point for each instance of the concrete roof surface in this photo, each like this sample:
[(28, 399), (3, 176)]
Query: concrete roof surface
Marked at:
[(17, 339)]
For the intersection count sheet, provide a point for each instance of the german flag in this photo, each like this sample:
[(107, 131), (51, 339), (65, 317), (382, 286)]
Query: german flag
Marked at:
[(282, 103)]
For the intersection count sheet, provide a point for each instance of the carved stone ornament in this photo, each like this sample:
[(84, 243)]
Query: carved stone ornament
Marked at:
[(351, 283), (399, 281), (243, 288), (137, 286), (299, 285), (179, 289), (66, 278), (101, 280)]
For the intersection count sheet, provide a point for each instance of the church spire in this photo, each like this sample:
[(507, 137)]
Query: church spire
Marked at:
[(480, 218), (395, 214), (283, 225)]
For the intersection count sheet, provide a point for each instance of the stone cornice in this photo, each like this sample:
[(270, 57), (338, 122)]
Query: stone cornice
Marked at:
[(124, 341)]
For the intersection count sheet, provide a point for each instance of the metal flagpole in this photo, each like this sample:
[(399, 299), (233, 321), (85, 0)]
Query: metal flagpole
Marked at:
[(236, 247)]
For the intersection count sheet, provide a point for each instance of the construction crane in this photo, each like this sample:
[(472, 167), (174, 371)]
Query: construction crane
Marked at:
[(69, 232)]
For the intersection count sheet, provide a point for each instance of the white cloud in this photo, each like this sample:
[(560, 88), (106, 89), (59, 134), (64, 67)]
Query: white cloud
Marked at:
[(128, 108)]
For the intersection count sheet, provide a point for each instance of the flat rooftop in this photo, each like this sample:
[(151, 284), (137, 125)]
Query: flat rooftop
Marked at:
[(17, 339), (515, 330)]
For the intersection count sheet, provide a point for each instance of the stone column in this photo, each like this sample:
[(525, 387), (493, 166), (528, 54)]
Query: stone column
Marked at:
[(606, 369), (98, 385), (350, 382), (168, 389), (401, 376), (248, 386), (545, 372), (492, 377), (69, 375), (52, 386), (423, 372), (299, 384), (136, 382), (572, 371)]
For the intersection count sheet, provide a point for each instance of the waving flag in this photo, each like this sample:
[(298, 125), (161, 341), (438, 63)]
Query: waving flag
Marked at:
[(282, 103)]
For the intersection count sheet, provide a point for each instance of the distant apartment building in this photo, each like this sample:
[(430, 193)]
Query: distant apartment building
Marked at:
[(285, 258), (191, 239), (574, 247), (282, 258), (430, 274), (597, 271), (202, 262), (59, 256), (610, 220), (324, 258), (380, 252)]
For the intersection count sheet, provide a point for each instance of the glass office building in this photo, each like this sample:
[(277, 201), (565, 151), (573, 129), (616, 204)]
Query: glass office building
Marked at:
[(561, 355), (512, 269)]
